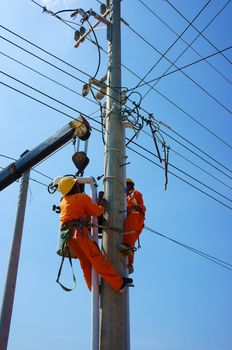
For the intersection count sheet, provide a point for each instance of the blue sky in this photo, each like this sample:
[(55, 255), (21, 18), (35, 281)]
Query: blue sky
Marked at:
[(180, 300)]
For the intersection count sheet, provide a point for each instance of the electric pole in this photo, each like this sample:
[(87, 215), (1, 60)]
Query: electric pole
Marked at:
[(114, 328), (9, 292)]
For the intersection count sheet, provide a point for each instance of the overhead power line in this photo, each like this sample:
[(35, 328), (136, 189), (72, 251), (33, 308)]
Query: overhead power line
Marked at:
[(187, 114), (181, 54), (177, 39), (55, 81), (203, 36), (67, 115), (186, 75), (74, 109), (180, 178), (155, 15), (128, 69), (181, 68), (183, 172), (191, 162), (207, 256)]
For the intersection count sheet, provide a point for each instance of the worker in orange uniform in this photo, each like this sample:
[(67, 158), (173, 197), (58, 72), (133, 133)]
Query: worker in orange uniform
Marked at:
[(134, 222), (75, 208)]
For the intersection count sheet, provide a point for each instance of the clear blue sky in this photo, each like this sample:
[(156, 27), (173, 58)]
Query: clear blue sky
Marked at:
[(180, 300)]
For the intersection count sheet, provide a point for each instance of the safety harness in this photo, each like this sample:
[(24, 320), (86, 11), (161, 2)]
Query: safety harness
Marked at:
[(66, 231)]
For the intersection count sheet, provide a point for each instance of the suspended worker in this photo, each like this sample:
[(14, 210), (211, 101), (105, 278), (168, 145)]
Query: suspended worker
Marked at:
[(134, 222), (75, 210)]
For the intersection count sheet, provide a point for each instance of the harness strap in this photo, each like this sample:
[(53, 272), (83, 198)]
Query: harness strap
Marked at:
[(59, 273), (66, 231)]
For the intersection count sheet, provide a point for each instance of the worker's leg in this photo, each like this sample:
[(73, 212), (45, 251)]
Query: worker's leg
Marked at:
[(99, 261), (84, 261), (132, 229)]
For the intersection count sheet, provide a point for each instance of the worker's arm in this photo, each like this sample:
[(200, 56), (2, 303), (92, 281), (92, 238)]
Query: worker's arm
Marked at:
[(92, 208)]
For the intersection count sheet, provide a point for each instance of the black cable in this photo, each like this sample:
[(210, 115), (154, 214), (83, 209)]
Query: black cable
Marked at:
[(74, 109), (197, 251), (217, 261), (181, 14), (168, 135), (182, 39), (182, 53), (173, 103), (98, 47), (180, 143), (43, 50), (181, 109), (183, 172), (178, 177), (177, 39), (12, 88), (185, 74), (46, 77), (64, 71), (183, 67), (194, 164)]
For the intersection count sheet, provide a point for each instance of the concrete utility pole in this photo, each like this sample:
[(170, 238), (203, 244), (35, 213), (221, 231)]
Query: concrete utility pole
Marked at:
[(114, 319), (8, 297)]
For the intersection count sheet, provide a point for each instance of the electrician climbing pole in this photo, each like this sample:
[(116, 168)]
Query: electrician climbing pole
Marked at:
[(114, 319)]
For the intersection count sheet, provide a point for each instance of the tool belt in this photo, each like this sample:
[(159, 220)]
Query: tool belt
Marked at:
[(135, 209), (66, 231)]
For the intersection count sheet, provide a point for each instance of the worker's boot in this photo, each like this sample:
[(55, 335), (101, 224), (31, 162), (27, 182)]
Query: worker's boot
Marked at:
[(127, 282), (125, 248)]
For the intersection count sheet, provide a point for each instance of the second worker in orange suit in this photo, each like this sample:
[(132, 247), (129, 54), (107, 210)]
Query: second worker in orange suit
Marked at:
[(134, 222), (75, 207)]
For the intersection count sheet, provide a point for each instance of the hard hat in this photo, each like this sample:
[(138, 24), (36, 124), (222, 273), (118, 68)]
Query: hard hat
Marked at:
[(56, 180), (130, 180), (66, 184)]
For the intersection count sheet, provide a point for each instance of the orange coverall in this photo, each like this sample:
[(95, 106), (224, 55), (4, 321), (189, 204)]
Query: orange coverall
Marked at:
[(134, 222), (73, 207)]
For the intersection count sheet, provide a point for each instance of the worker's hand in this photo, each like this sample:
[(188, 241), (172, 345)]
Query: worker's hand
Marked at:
[(100, 197), (103, 203)]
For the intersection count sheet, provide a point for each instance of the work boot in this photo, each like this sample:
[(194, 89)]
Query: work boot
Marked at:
[(125, 248), (127, 282), (130, 269)]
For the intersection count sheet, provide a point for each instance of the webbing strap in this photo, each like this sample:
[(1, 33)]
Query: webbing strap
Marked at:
[(59, 273)]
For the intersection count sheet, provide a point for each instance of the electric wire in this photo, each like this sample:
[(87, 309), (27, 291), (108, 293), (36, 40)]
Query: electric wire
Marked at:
[(206, 161), (181, 71), (79, 112), (182, 171), (177, 39), (45, 76), (183, 40), (65, 114), (180, 136), (194, 164), (187, 114), (181, 68), (128, 69), (178, 177), (213, 259), (181, 54), (82, 81), (62, 20), (181, 14)]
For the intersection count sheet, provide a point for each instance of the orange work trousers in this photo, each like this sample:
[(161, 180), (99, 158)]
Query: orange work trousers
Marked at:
[(132, 228), (89, 254)]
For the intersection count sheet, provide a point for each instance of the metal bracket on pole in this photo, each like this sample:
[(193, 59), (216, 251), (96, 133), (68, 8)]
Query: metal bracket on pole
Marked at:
[(77, 42)]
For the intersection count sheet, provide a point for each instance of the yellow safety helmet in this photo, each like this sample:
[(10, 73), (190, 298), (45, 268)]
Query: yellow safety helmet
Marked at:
[(66, 184), (130, 180)]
